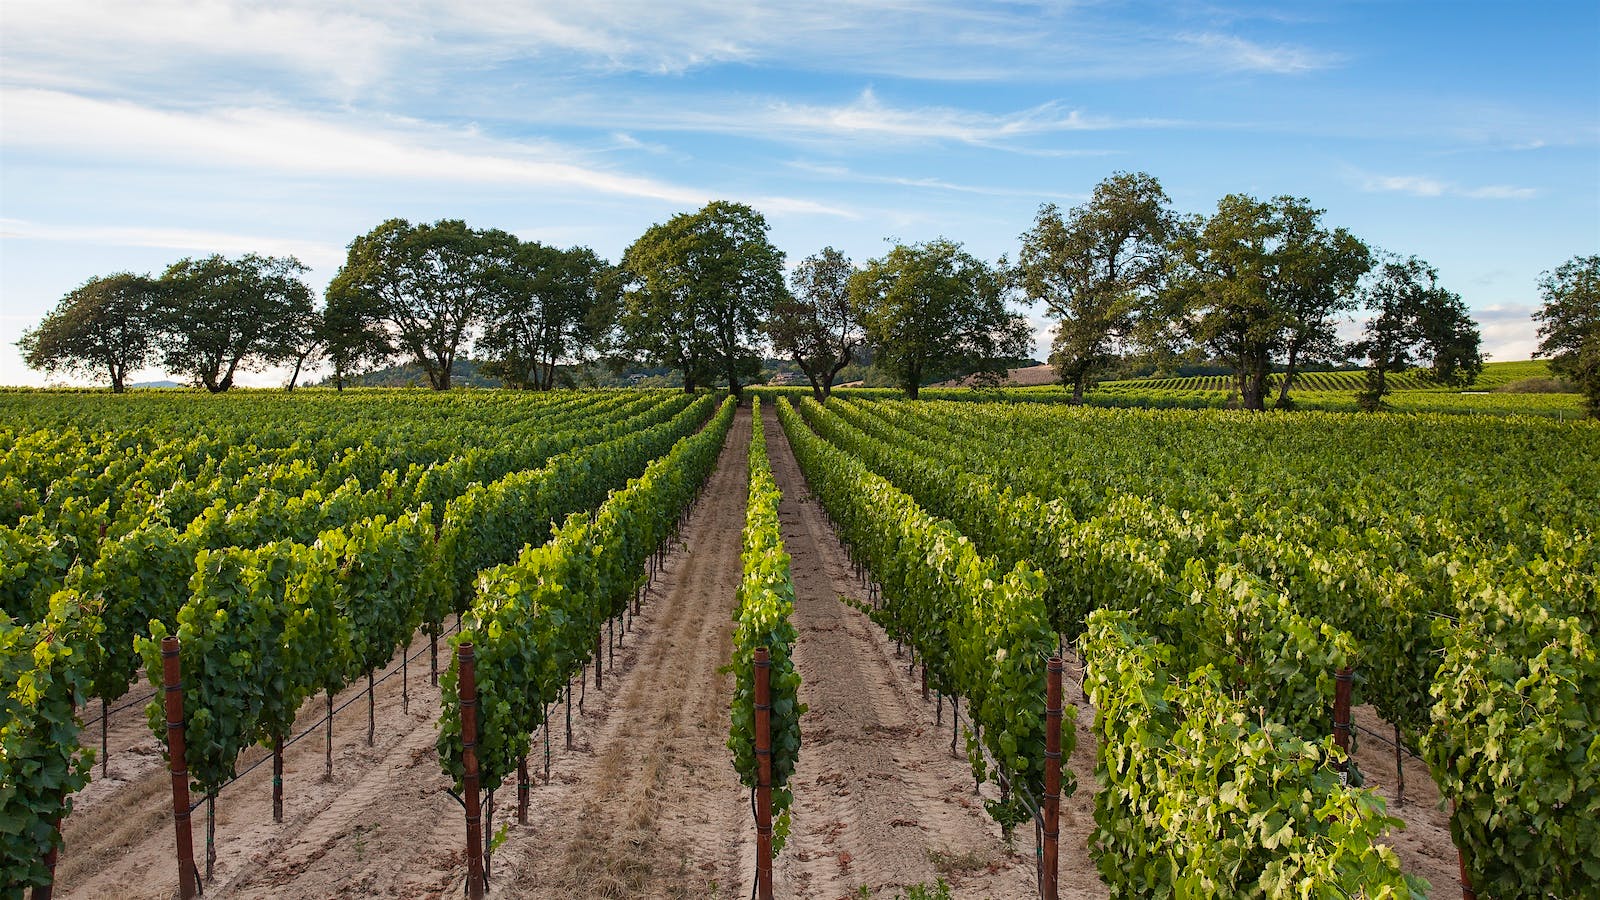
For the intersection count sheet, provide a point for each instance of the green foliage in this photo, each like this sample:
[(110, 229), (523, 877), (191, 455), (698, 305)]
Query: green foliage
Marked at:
[(1271, 568), (1097, 270), (697, 292), (227, 630), (421, 288), (982, 631), (218, 316), (103, 327), (815, 325), (533, 621), (1200, 799), (1415, 321), (933, 307), (1569, 324), (1515, 738), (766, 600), (1262, 279), (42, 675), (548, 306)]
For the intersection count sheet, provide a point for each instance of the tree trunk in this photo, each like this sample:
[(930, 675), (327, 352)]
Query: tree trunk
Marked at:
[(298, 362), (116, 382), (1255, 393), (1288, 378), (1077, 390)]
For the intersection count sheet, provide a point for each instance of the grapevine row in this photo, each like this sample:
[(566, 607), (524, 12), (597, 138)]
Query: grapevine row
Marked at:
[(533, 621), (981, 630), (765, 602), (1497, 678)]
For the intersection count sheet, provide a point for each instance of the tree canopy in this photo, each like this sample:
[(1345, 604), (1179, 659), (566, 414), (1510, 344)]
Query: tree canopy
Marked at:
[(697, 292), (103, 327), (549, 305), (218, 316), (1569, 324), (1096, 269), (426, 286), (1414, 322), (1264, 280), (815, 324), (934, 308)]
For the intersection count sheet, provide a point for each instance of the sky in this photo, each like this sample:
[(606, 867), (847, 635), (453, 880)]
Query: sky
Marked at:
[(134, 134)]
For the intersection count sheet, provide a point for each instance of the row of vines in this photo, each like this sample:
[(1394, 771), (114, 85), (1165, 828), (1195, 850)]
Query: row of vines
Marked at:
[(761, 617), (979, 626), (287, 567), (1245, 562), (533, 621)]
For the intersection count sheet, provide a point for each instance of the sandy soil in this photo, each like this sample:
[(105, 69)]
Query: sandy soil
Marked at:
[(1424, 846), (879, 799), (119, 838)]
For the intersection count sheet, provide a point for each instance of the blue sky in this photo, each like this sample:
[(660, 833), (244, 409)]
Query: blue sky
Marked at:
[(134, 134)]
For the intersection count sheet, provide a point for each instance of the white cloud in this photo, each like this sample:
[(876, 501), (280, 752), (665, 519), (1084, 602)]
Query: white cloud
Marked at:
[(864, 118), (1234, 53), (276, 141), (111, 43), (1423, 186), (840, 173), (313, 253), (350, 48)]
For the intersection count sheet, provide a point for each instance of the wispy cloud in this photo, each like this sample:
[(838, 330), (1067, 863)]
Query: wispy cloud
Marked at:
[(1230, 52), (357, 47), (276, 141), (1424, 186), (864, 118), (841, 173), (316, 254), (868, 115)]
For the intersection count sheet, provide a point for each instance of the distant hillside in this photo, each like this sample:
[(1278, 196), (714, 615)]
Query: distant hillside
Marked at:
[(1033, 375)]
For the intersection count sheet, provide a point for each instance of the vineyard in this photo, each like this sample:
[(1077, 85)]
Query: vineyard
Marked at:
[(1494, 375), (664, 598)]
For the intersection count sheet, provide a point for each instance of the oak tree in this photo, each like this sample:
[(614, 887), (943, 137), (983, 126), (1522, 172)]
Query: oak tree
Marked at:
[(426, 285), (1096, 269), (104, 327), (1414, 322), (220, 316), (815, 325), (697, 290), (934, 308), (549, 306), (1569, 324)]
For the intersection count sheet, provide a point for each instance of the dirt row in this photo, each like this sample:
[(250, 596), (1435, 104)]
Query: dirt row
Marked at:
[(646, 804)]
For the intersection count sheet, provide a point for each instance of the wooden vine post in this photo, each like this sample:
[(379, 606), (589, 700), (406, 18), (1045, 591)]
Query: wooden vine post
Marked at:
[(469, 757), (1049, 874), (1343, 680), (763, 671), (178, 764), (277, 778), (522, 790)]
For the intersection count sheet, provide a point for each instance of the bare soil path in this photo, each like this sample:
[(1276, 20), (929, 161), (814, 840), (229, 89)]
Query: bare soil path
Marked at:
[(880, 801)]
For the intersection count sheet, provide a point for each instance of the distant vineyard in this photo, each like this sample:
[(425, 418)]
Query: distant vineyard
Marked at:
[(1494, 375)]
